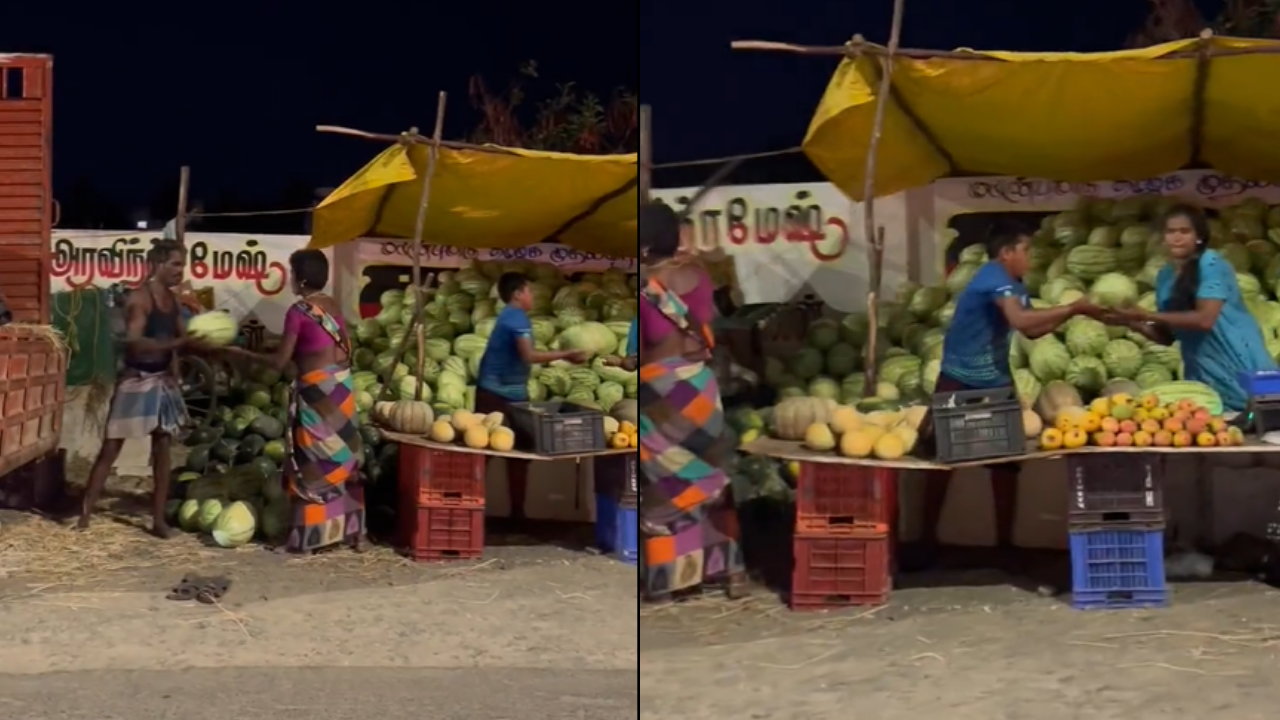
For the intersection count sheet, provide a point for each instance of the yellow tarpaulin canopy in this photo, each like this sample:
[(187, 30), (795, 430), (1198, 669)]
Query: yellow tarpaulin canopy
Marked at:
[(501, 198), (1062, 116)]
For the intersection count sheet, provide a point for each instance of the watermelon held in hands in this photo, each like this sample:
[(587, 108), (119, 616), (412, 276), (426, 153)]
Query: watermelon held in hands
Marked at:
[(216, 327)]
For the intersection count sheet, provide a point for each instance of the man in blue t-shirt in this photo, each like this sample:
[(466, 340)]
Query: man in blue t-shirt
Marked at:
[(504, 368), (975, 356)]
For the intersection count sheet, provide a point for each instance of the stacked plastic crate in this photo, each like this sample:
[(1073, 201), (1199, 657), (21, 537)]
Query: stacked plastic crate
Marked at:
[(441, 504), (843, 545), (1116, 524), (618, 507)]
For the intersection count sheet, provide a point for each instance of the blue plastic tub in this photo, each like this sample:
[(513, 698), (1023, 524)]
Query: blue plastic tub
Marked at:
[(617, 529)]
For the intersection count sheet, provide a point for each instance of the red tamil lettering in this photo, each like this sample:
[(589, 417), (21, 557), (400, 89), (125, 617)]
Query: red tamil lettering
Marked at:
[(842, 229), (274, 270)]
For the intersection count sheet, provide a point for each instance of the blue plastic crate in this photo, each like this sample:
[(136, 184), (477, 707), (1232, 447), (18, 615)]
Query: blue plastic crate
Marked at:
[(1261, 384), (617, 529), (1118, 569)]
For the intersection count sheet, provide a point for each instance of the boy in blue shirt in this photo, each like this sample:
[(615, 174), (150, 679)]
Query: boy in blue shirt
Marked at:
[(504, 368), (975, 356)]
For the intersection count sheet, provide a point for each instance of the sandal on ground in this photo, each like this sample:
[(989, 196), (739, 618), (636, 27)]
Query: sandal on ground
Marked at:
[(213, 590), (187, 589)]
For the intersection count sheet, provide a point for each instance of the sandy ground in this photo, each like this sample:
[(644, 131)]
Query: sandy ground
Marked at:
[(86, 611), (972, 653)]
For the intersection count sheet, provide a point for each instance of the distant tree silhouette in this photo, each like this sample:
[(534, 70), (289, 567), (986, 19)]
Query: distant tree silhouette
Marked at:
[(568, 120)]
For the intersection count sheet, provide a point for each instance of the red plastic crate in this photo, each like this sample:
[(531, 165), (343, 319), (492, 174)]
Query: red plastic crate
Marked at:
[(432, 534), (440, 477), (836, 572), (845, 499)]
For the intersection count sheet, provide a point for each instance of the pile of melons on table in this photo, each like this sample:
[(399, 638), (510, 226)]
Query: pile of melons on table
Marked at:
[(1124, 420), (472, 430), (621, 434), (822, 425)]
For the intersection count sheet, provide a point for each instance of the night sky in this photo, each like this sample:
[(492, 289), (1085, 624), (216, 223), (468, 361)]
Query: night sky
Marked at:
[(235, 91)]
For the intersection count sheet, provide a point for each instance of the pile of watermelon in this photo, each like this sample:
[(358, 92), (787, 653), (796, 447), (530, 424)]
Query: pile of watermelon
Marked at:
[(1108, 251), (238, 454), (591, 312)]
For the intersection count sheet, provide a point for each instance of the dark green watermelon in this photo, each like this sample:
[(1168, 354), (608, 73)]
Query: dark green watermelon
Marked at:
[(268, 427), (236, 429), (225, 413), (280, 395), (224, 451), (249, 449), (198, 458), (203, 435), (371, 436), (248, 412), (276, 451), (265, 467)]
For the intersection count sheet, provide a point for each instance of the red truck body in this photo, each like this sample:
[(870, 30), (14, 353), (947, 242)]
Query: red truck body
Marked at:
[(32, 368)]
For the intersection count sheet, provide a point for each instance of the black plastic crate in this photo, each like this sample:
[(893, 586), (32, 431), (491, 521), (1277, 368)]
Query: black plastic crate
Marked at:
[(1116, 520), (977, 424), (557, 428), (618, 477), (1115, 484)]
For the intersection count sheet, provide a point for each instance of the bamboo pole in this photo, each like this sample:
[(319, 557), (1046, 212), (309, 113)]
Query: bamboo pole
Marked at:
[(646, 152), (419, 293), (852, 48), (184, 192), (873, 234)]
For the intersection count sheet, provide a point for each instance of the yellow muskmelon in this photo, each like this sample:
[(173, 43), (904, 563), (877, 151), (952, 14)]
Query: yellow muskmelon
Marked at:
[(1032, 425), (442, 432), (845, 419), (464, 419), (476, 437), (493, 421), (907, 435), (502, 439), (914, 415), (611, 426), (856, 444), (890, 446), (819, 437)]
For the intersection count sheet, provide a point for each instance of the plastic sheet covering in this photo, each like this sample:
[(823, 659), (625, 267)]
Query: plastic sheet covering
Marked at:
[(504, 199), (1064, 116), (84, 319)]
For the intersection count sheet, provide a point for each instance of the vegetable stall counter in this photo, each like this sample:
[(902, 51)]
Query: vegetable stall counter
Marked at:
[(796, 451), (508, 454)]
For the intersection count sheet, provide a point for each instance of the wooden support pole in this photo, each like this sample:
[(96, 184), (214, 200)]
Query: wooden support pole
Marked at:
[(874, 234), (414, 328), (646, 152), (184, 192)]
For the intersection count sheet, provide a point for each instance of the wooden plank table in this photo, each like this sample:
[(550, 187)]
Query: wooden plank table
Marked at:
[(789, 450), (508, 454), (795, 451)]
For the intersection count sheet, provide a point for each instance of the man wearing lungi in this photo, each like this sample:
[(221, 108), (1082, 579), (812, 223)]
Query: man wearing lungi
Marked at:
[(147, 400)]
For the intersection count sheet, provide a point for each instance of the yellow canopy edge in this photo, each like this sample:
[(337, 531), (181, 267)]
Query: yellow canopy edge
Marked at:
[(1074, 117), (506, 198)]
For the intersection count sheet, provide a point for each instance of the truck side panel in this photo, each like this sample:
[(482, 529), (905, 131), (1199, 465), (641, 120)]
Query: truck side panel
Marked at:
[(26, 204)]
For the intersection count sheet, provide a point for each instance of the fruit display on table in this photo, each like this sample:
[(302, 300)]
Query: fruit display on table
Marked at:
[(1124, 420)]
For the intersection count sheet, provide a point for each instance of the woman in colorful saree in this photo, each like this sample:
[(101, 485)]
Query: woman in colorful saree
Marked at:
[(687, 514), (324, 442)]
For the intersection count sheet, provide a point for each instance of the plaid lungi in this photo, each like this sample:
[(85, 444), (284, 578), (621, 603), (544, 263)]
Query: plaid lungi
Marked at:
[(144, 405)]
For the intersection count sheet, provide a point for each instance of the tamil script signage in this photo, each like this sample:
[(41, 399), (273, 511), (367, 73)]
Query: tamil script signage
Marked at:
[(1203, 187), (400, 252), (791, 239), (247, 273)]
